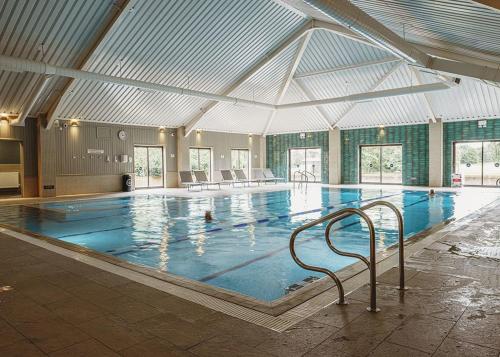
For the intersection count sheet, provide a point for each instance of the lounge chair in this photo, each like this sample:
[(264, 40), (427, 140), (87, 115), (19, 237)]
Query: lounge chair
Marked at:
[(259, 176), (227, 177), (240, 176), (268, 174), (201, 177), (187, 180)]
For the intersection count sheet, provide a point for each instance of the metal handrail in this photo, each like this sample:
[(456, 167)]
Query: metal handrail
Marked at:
[(309, 173), (346, 212), (303, 176), (400, 238)]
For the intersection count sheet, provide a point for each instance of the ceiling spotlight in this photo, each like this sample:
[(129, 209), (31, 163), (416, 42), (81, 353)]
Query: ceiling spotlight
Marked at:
[(74, 122), (162, 129)]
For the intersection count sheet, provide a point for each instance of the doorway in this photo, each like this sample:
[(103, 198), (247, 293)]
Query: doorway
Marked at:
[(148, 166), (305, 160), (382, 164), (478, 162), (11, 169)]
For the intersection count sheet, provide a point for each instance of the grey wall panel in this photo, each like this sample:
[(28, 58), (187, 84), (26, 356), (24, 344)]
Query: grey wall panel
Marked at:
[(221, 145), (73, 143), (10, 152)]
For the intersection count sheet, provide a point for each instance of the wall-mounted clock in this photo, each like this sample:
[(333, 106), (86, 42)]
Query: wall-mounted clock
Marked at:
[(122, 135)]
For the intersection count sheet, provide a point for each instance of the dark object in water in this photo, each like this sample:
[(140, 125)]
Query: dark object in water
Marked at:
[(431, 192), (208, 216)]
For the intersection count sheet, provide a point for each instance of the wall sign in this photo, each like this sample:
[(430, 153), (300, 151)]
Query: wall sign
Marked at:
[(95, 151)]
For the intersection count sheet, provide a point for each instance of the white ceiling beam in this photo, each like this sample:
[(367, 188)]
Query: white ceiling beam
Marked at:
[(287, 80), (425, 97), (14, 64), (367, 96), (30, 102), (323, 115), (452, 59), (118, 9), (352, 17), (373, 87), (466, 69), (347, 67), (432, 47), (262, 62)]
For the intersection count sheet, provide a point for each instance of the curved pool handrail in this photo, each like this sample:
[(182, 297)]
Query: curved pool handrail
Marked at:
[(310, 173), (335, 249), (399, 217), (346, 212)]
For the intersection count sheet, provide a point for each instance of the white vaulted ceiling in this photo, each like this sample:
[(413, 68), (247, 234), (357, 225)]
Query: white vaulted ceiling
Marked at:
[(209, 45)]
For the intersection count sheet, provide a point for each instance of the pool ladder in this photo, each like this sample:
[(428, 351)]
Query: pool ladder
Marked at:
[(371, 263), (304, 177)]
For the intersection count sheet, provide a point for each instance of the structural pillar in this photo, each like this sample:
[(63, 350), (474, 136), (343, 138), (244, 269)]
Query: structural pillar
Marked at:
[(436, 154), (47, 161), (334, 157), (263, 148)]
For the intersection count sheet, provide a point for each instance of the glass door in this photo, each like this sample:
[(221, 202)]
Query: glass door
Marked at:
[(491, 163), (240, 159), (201, 159), (305, 160), (381, 164), (392, 164), (478, 162), (370, 164), (148, 166)]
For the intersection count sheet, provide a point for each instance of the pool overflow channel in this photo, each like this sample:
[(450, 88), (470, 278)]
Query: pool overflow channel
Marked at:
[(371, 264)]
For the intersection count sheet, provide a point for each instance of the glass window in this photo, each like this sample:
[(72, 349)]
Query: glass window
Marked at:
[(201, 159), (148, 166), (305, 161), (381, 164), (478, 162), (240, 159)]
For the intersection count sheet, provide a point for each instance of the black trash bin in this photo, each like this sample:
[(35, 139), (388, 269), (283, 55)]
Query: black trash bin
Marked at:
[(127, 183)]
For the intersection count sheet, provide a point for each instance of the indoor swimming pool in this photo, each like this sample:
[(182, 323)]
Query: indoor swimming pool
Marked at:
[(245, 248)]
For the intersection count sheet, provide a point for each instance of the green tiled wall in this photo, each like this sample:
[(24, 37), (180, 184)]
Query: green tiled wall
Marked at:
[(415, 142), (277, 151), (464, 130)]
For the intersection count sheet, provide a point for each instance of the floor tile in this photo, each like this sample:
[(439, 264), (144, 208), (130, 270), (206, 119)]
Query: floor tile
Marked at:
[(226, 346), (155, 348), (23, 348), (452, 347), (86, 348), (297, 340), (421, 332), (76, 311), (51, 335), (390, 349), (8, 334), (179, 332), (114, 333)]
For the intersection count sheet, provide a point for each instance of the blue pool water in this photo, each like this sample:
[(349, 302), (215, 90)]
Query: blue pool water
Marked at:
[(245, 248)]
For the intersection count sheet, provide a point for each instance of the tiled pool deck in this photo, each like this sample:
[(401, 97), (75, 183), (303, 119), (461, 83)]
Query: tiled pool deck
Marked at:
[(53, 305)]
